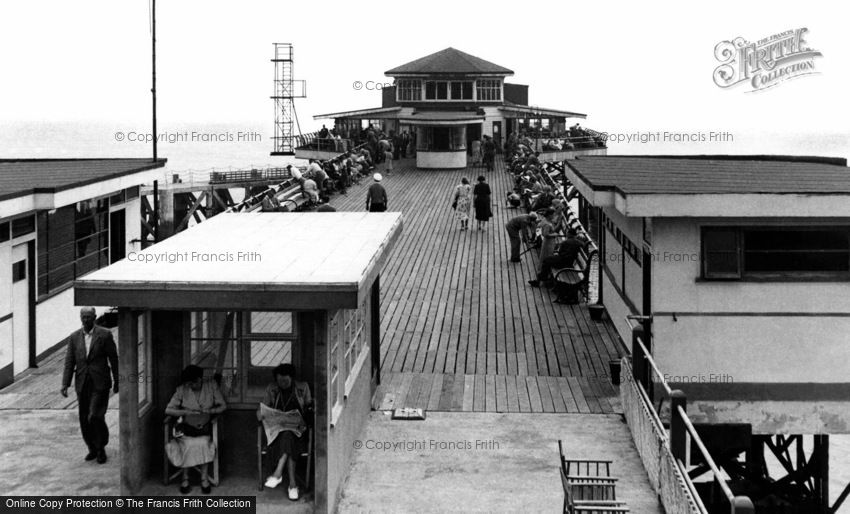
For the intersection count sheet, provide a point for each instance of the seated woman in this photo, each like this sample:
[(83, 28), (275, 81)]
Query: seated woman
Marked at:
[(287, 394), (194, 402)]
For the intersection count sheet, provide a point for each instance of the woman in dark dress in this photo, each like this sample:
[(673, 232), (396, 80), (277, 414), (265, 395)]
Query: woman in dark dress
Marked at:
[(481, 202), (287, 394)]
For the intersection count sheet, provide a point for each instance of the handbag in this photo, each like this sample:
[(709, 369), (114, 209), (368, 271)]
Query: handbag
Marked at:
[(454, 204)]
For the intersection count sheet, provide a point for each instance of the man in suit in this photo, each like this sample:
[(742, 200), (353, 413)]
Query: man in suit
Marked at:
[(90, 357)]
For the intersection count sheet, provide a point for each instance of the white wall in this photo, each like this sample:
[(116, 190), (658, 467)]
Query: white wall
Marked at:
[(5, 278), (6, 343), (764, 342), (55, 319), (133, 224), (632, 282)]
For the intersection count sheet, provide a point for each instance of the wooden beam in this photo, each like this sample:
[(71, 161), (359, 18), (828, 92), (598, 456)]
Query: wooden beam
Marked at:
[(128, 423), (198, 201)]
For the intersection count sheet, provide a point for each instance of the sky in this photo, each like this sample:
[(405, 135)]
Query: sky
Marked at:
[(630, 66)]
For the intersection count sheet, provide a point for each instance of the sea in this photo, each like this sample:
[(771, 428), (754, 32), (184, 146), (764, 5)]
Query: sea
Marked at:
[(193, 150)]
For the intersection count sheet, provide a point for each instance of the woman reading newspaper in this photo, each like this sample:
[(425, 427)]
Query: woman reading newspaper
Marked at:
[(286, 406)]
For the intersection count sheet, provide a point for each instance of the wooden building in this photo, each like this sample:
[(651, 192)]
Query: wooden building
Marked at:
[(59, 220), (740, 268), (238, 295), (449, 99)]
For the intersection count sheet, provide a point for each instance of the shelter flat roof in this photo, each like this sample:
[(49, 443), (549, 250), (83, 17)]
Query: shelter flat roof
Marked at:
[(252, 261)]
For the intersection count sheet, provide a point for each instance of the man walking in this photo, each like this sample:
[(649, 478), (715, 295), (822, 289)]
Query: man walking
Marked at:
[(515, 227), (376, 198), (90, 357)]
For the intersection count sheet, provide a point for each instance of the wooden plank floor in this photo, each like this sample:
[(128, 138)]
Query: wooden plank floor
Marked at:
[(461, 329)]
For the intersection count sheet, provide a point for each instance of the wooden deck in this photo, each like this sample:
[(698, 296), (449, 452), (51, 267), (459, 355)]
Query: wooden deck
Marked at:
[(461, 328)]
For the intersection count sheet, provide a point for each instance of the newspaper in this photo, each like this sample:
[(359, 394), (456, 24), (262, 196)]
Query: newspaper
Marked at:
[(276, 421)]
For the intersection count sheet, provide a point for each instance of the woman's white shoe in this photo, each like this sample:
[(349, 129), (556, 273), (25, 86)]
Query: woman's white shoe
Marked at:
[(273, 481), (293, 493)]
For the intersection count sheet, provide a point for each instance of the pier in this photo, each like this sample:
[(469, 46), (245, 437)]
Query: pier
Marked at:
[(462, 335)]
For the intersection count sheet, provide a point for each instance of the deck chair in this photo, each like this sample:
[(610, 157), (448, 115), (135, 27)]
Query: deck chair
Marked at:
[(168, 423), (168, 430), (583, 467), (590, 495), (263, 450)]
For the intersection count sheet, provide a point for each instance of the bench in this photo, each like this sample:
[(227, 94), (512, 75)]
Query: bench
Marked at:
[(572, 284)]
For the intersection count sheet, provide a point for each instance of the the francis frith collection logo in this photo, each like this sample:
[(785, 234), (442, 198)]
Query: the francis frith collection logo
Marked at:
[(765, 63)]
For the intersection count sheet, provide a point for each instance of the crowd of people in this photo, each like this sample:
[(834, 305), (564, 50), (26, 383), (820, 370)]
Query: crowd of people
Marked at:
[(575, 138), (544, 223)]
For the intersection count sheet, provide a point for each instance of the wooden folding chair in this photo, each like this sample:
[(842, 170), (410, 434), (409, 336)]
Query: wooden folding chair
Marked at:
[(168, 431), (583, 467), (604, 487)]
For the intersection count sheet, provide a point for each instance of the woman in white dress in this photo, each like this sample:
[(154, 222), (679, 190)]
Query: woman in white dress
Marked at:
[(462, 202), (195, 402)]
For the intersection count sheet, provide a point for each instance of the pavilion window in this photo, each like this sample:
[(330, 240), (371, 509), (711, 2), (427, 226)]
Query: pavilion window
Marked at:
[(441, 139), (776, 252), (409, 90), (461, 90), (489, 90), (436, 90)]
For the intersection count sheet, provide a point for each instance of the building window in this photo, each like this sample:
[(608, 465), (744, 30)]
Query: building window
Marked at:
[(72, 241), (776, 252), (409, 90), (242, 349), (143, 350), (4, 231), (436, 90), (356, 346), (441, 139), (333, 357), (461, 90), (23, 226), (19, 271), (489, 90)]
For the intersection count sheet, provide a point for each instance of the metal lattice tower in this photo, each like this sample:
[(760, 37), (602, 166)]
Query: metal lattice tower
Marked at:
[(286, 89)]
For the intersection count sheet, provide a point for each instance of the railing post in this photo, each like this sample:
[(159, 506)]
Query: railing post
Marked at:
[(638, 358), (678, 431), (742, 505)]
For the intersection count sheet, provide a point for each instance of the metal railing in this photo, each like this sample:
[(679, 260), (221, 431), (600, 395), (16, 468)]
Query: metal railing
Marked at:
[(682, 435), (545, 141), (259, 175), (324, 144)]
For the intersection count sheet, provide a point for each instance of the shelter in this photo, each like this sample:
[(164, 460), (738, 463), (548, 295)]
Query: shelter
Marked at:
[(238, 295)]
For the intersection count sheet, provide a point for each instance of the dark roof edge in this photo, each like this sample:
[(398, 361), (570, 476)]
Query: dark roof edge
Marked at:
[(814, 159), (76, 159), (36, 190)]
